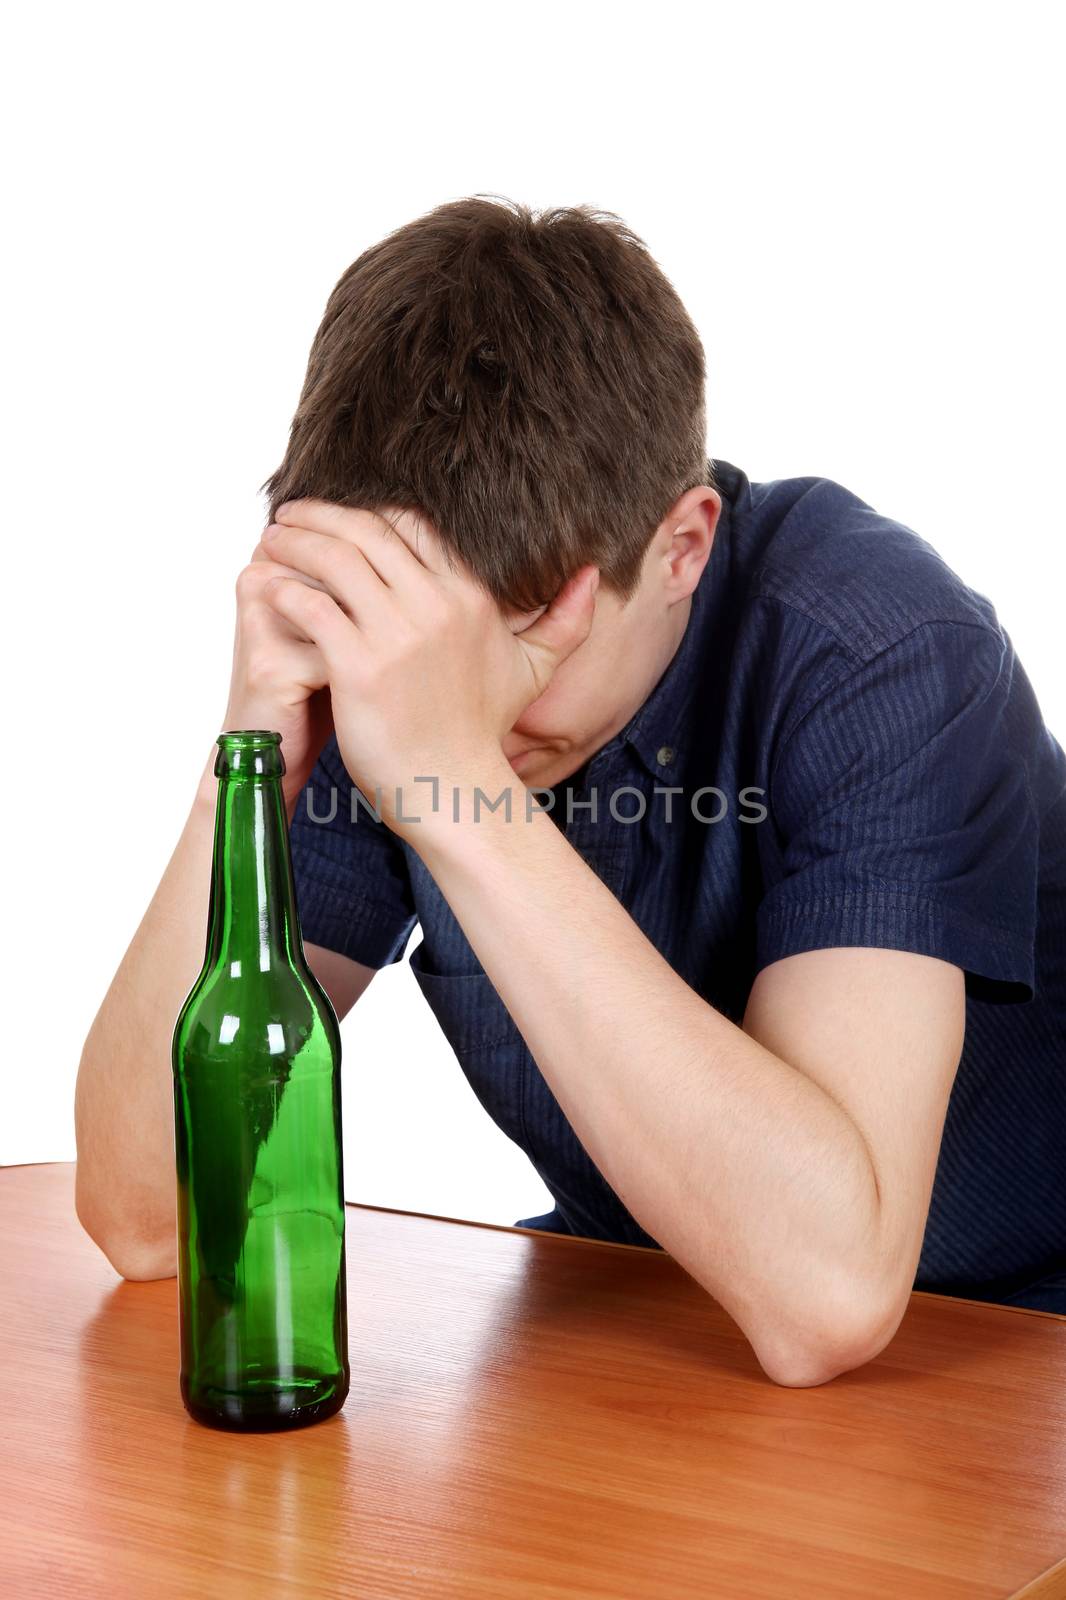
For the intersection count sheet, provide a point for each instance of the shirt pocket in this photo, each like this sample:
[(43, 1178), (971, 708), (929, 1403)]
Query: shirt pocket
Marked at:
[(487, 1044)]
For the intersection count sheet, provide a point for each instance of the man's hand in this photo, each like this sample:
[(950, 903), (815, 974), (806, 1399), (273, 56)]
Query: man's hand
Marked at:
[(425, 674), (278, 679)]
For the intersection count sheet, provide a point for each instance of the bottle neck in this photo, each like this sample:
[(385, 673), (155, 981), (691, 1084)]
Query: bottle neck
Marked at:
[(253, 918)]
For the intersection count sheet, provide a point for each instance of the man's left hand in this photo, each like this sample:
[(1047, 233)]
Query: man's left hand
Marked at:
[(426, 676)]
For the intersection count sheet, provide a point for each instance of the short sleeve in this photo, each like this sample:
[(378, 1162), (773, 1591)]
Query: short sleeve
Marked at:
[(901, 813), (353, 892)]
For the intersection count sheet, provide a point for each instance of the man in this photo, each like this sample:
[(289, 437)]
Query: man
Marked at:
[(735, 836)]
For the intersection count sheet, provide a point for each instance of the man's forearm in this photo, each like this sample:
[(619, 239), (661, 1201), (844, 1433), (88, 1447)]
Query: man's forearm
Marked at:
[(124, 1094), (737, 1163), (124, 1097)]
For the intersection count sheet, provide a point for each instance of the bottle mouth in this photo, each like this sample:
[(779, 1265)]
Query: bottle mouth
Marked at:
[(248, 739), (249, 753)]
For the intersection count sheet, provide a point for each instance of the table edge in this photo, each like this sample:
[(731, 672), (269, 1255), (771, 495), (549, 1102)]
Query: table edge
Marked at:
[(1047, 1585), (612, 1244), (577, 1238)]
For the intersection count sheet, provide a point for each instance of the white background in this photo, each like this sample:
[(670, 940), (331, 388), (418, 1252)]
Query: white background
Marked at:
[(861, 206)]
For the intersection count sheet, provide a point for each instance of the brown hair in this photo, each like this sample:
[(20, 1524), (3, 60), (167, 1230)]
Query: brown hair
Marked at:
[(533, 384)]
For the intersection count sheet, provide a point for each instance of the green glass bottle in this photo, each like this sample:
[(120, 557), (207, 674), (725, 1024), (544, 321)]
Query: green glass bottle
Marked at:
[(257, 1115)]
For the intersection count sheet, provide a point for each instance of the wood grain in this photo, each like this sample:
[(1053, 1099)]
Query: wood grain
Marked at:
[(530, 1417)]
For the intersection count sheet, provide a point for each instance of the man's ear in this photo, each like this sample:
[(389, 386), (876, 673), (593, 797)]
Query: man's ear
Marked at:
[(692, 522)]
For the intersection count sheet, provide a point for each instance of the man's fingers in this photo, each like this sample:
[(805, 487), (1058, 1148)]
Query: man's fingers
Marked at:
[(260, 569), (261, 555), (397, 543), (565, 624), (339, 566), (314, 614), (422, 539)]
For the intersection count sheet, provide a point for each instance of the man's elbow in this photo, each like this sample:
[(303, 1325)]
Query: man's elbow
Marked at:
[(138, 1258), (141, 1260), (144, 1263), (827, 1349)]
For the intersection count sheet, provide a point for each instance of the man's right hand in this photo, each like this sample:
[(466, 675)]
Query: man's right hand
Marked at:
[(279, 679)]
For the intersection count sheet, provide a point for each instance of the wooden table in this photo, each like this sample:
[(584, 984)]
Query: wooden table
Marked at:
[(529, 1416)]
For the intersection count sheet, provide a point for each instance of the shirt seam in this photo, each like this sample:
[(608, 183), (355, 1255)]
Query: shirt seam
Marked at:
[(325, 888), (851, 649), (991, 927), (842, 677)]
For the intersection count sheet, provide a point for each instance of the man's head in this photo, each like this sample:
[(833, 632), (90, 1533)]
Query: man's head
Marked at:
[(534, 386)]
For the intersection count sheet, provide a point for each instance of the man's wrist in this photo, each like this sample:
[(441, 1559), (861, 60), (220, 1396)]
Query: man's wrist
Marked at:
[(441, 817), (206, 797)]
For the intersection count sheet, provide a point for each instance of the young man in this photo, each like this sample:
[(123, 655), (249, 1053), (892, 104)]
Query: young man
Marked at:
[(778, 982)]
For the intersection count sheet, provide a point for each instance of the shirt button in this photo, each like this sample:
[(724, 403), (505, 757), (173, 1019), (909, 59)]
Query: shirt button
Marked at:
[(664, 755)]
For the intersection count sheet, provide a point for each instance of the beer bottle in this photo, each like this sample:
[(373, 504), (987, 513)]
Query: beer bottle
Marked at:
[(257, 1114)]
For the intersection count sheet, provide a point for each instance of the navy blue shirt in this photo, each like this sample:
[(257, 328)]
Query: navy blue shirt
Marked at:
[(844, 750)]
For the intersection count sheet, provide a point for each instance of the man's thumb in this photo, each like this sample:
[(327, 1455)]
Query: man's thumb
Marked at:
[(559, 630)]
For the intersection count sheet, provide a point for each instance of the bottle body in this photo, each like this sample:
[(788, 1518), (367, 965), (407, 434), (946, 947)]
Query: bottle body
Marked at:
[(257, 1118)]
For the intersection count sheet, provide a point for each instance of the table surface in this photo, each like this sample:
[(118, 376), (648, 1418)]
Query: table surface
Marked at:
[(529, 1416)]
